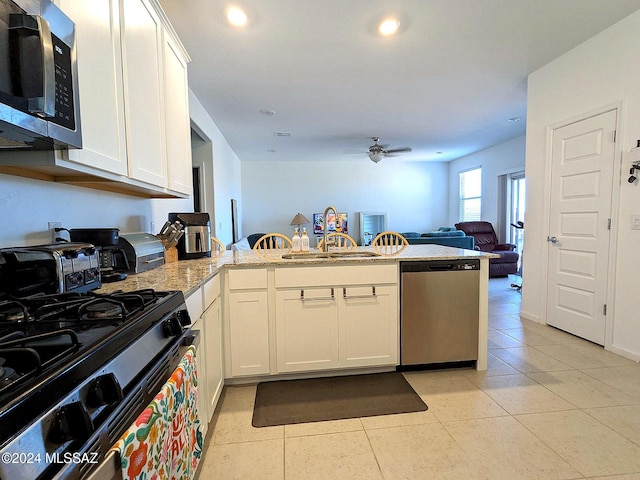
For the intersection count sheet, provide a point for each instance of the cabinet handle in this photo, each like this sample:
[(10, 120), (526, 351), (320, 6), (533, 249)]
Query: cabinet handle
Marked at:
[(371, 295), (302, 298)]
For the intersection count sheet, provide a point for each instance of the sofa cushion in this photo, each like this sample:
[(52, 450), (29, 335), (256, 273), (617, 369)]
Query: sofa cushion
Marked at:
[(444, 233), (505, 257)]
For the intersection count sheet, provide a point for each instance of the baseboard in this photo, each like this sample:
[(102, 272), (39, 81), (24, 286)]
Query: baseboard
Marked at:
[(531, 317), (625, 353)]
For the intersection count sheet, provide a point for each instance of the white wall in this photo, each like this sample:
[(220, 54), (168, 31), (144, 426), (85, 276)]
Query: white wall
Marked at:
[(602, 71), (506, 157), (414, 194), (26, 206)]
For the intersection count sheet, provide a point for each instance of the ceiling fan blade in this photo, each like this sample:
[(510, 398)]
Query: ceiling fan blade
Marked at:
[(397, 150)]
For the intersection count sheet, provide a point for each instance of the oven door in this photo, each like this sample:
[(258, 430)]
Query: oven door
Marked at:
[(110, 467)]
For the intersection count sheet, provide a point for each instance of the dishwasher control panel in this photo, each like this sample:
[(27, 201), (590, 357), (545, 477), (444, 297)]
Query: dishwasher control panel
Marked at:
[(440, 265)]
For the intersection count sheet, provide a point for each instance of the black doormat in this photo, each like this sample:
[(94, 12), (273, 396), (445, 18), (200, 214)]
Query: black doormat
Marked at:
[(333, 398)]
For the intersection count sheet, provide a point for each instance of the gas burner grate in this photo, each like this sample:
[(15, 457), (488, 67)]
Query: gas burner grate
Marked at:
[(27, 355)]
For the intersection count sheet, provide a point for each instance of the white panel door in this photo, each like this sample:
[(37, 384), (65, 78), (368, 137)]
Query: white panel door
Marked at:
[(177, 128), (368, 323), (144, 99), (581, 189), (306, 329), (100, 84)]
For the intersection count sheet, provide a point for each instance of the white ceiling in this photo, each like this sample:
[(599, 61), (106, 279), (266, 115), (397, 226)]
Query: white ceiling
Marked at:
[(447, 82)]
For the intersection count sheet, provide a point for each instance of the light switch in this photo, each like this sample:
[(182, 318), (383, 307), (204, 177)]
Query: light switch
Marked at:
[(635, 222)]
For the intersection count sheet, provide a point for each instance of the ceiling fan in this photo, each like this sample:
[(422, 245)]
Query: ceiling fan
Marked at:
[(377, 151)]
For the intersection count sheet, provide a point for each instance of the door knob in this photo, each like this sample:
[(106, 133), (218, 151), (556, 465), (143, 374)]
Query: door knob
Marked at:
[(552, 239)]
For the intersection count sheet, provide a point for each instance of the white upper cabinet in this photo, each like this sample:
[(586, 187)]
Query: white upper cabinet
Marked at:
[(142, 72), (176, 114), (100, 84)]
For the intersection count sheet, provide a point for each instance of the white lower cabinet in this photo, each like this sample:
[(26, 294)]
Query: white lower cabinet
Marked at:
[(249, 333), (306, 329), (205, 312), (328, 317), (248, 322), (212, 375), (368, 322)]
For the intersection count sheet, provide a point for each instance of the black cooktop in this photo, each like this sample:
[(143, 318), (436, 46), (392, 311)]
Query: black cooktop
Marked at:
[(49, 342)]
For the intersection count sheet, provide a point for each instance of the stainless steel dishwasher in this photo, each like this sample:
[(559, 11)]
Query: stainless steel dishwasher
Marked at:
[(439, 308)]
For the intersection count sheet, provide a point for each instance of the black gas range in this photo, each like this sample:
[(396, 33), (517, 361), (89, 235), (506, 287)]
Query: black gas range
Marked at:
[(76, 369)]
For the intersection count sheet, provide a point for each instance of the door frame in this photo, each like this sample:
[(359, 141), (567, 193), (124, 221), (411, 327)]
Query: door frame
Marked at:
[(615, 200)]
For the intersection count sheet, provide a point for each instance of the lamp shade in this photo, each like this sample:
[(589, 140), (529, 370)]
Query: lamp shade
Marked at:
[(299, 219)]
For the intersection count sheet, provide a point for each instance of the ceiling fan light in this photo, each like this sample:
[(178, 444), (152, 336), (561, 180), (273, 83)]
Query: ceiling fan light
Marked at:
[(376, 157)]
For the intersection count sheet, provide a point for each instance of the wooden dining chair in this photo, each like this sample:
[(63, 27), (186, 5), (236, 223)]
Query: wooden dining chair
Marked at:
[(389, 243), (343, 241), (273, 241), (217, 247)]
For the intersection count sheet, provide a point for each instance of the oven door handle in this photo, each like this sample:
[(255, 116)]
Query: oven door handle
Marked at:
[(192, 338)]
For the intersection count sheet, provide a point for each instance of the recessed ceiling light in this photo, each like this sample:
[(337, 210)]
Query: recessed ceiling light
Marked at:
[(514, 119), (236, 17), (388, 26), (267, 112), (281, 134)]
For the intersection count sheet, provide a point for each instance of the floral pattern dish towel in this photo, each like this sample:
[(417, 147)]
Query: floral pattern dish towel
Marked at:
[(165, 441)]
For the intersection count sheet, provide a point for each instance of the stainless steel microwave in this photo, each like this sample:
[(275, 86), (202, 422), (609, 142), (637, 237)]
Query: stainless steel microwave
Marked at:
[(38, 77)]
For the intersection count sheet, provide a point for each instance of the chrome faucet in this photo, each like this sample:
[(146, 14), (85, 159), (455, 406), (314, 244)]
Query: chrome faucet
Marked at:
[(325, 243)]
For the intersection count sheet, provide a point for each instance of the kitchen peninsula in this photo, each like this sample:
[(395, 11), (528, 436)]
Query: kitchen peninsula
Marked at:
[(260, 314)]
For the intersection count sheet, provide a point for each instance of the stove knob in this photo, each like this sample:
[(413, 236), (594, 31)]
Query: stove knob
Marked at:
[(71, 422), (183, 316), (104, 390), (172, 327), (70, 253)]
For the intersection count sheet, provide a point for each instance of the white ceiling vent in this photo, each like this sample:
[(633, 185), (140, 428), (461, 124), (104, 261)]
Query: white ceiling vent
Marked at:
[(281, 134)]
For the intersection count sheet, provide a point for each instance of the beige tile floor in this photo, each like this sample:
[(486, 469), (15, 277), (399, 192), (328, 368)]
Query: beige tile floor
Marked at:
[(550, 406)]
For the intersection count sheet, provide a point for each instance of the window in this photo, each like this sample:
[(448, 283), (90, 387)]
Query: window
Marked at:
[(470, 195)]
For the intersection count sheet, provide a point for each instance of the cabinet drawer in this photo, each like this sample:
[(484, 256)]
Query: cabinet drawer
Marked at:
[(336, 275), (247, 279), (211, 291)]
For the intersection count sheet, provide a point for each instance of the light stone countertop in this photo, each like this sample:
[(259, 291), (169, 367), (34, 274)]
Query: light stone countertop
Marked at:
[(188, 275)]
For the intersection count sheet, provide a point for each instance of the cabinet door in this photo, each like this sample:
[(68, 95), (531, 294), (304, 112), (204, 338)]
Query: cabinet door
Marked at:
[(213, 345), (249, 332), (99, 84), (306, 329), (177, 126), (368, 326), (142, 65), (201, 362)]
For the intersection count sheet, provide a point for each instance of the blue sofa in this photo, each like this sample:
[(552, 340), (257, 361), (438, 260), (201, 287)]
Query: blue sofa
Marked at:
[(449, 237)]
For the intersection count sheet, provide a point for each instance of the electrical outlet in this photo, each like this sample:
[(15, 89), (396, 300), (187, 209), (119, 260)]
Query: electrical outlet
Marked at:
[(52, 227), (635, 222)]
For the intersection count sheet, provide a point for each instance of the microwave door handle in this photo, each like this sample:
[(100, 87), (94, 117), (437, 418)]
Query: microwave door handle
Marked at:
[(42, 101), (47, 103)]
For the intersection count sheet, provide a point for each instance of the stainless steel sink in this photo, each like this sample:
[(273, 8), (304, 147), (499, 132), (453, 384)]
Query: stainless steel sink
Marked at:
[(352, 254)]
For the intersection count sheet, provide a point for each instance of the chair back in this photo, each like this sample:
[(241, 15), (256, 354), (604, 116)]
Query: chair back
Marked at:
[(217, 247), (389, 243), (272, 241), (343, 242), (484, 235)]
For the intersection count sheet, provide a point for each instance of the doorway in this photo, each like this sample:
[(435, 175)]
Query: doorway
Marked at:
[(582, 168)]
